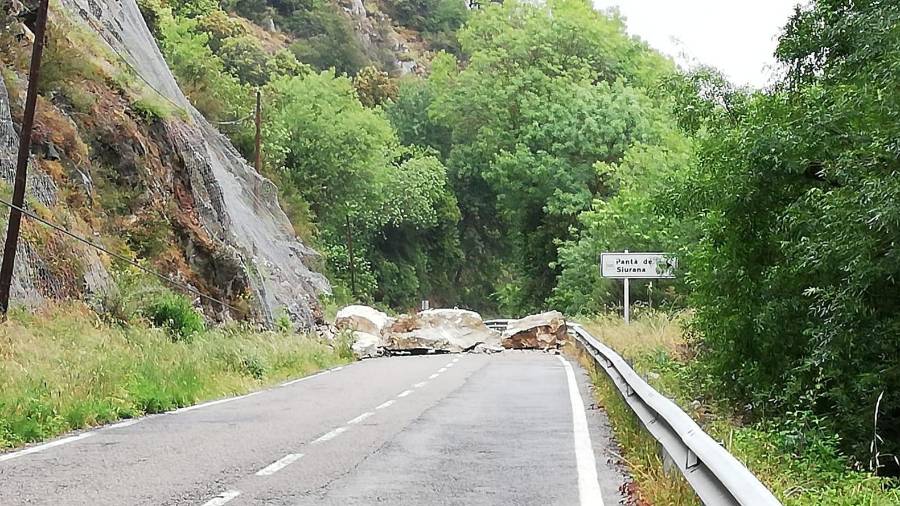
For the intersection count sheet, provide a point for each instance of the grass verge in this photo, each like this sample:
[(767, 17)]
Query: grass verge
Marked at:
[(812, 473), (64, 368)]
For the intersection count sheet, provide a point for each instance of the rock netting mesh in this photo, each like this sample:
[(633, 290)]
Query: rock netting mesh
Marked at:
[(48, 265), (238, 207)]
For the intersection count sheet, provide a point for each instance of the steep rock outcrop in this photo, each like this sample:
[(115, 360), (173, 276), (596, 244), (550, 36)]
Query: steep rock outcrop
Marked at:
[(247, 241), (46, 271)]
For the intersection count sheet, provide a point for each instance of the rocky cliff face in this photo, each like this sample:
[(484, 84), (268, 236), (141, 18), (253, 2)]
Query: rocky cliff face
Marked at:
[(36, 278), (233, 239)]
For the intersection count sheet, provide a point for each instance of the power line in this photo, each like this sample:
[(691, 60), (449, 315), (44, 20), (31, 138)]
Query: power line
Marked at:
[(125, 259)]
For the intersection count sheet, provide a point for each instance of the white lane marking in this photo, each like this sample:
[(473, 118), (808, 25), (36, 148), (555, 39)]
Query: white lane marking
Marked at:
[(45, 446), (442, 369), (435, 375), (588, 486), (222, 498), (455, 360), (331, 435), (311, 376), (305, 378), (405, 393), (120, 425), (360, 418), (451, 364), (212, 403), (386, 404), (420, 384), (279, 464)]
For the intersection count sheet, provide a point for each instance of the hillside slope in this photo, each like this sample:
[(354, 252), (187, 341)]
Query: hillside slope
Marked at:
[(156, 180)]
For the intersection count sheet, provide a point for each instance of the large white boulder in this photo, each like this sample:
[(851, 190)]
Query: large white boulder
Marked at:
[(366, 345), (536, 332), (363, 319), (368, 327), (448, 330)]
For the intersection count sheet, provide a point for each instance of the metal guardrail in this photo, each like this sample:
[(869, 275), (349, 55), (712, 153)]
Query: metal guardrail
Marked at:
[(715, 475)]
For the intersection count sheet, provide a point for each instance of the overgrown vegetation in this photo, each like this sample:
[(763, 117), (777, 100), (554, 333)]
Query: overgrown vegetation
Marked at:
[(798, 457), (547, 135), (542, 136), (65, 368)]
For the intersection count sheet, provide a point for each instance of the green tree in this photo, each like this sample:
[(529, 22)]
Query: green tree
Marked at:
[(374, 87), (345, 160), (796, 200), (548, 92)]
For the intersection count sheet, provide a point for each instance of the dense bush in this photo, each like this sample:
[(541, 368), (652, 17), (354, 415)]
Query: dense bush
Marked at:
[(796, 196), (175, 313)]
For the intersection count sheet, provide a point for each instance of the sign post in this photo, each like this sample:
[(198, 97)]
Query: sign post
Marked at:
[(627, 301), (627, 266)]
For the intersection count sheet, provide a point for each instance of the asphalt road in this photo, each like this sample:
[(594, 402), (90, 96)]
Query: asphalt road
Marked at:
[(506, 429)]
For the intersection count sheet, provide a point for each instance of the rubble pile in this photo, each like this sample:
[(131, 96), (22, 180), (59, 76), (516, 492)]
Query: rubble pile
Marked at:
[(374, 333)]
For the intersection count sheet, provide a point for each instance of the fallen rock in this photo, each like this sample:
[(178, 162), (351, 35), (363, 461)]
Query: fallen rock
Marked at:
[(447, 330), (543, 331), (363, 319), (366, 345), (486, 349), (367, 327)]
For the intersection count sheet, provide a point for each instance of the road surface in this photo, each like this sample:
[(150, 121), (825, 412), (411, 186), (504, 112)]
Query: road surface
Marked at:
[(506, 429)]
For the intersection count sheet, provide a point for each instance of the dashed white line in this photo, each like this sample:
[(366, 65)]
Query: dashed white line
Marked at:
[(386, 404), (451, 364), (331, 435), (45, 446), (588, 486), (435, 375), (222, 498), (360, 418), (442, 369), (420, 384), (279, 464), (404, 393), (455, 360)]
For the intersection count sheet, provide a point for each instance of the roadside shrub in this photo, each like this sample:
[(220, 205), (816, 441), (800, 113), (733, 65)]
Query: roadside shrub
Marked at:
[(283, 322), (343, 345), (175, 313), (253, 366)]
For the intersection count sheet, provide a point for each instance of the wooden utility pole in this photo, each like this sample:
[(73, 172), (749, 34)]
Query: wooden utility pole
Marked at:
[(18, 197), (258, 131), (352, 263)]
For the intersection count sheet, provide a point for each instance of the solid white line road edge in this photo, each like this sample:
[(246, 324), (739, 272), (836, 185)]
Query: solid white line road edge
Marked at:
[(279, 464), (588, 484), (222, 498), (45, 446)]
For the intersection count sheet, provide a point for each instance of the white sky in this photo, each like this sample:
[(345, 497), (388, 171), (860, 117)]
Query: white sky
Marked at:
[(736, 36)]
